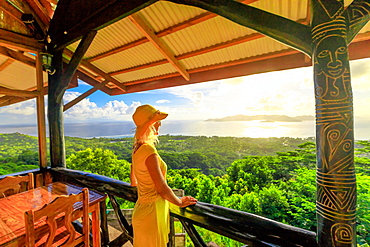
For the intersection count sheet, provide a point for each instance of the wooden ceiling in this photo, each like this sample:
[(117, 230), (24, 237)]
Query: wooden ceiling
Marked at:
[(143, 45)]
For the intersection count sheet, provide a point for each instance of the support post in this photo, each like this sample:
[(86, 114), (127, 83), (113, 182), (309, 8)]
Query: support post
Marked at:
[(58, 84), (40, 102), (335, 177), (55, 114)]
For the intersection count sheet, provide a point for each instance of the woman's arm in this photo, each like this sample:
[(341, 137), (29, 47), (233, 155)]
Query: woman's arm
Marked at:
[(132, 177), (163, 189)]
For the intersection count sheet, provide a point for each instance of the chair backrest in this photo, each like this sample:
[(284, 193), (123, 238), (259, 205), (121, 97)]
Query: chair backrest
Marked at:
[(58, 216), (12, 184)]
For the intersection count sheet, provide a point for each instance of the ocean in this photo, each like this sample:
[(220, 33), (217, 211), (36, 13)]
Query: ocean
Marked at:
[(254, 129)]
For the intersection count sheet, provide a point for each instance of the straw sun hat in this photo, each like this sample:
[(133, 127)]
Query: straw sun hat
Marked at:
[(144, 116)]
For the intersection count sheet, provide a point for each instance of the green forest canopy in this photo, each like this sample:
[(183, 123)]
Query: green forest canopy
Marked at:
[(271, 177)]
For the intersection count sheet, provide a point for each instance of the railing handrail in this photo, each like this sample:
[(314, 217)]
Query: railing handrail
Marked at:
[(238, 225), (241, 226)]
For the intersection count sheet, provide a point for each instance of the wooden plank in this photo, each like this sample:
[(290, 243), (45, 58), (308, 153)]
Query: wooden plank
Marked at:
[(14, 92), (19, 42), (39, 181), (48, 8), (9, 100), (18, 56), (6, 64), (41, 123), (40, 11), (55, 2), (144, 27)]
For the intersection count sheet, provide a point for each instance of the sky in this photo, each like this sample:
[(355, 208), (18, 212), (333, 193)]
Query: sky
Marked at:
[(289, 92)]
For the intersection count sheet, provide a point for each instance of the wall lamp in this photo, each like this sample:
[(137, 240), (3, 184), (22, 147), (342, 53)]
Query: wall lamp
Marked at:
[(46, 62)]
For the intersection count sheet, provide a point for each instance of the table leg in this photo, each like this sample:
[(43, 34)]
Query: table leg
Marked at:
[(104, 223), (96, 226)]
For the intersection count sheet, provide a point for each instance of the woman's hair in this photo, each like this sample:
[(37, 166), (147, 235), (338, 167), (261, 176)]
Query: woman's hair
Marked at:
[(149, 137)]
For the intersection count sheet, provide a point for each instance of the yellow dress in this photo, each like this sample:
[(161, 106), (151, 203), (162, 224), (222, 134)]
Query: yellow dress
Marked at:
[(150, 218)]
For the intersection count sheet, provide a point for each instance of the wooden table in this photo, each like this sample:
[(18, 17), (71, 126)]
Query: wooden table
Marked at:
[(12, 208)]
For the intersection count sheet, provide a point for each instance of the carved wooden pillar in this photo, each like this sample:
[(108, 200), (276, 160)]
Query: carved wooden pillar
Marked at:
[(55, 114), (336, 179)]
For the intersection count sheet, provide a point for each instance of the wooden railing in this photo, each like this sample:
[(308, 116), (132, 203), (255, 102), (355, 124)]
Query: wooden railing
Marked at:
[(253, 230)]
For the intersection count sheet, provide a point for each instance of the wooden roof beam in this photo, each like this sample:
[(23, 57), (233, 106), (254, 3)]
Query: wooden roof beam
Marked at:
[(188, 23), (55, 2), (12, 11), (73, 64), (226, 44), (98, 71), (13, 92), (193, 53), (288, 59), (144, 27), (40, 11), (249, 60), (219, 72), (93, 82), (195, 20), (6, 63), (84, 95), (19, 42), (27, 8), (9, 100), (83, 17), (47, 7), (17, 56)]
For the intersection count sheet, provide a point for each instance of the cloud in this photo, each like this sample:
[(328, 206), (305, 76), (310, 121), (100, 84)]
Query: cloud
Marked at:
[(25, 108), (289, 92), (69, 96), (86, 110), (189, 92), (360, 68), (360, 72), (163, 101)]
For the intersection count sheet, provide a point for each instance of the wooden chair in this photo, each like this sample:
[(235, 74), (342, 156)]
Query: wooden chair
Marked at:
[(58, 217), (12, 184)]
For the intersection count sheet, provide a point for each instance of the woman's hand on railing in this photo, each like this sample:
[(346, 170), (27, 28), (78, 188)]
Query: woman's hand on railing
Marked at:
[(187, 201)]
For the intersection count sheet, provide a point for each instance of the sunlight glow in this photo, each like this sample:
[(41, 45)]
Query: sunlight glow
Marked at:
[(260, 129)]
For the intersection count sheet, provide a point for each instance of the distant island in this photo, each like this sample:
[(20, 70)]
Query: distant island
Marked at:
[(264, 118)]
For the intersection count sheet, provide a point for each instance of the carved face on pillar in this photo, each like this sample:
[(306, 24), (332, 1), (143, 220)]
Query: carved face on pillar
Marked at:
[(332, 55)]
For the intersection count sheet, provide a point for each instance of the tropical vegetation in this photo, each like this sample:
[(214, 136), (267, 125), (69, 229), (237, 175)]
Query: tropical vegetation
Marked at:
[(271, 177)]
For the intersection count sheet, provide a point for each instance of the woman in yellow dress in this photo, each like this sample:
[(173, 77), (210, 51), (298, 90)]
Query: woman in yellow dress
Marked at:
[(150, 217)]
